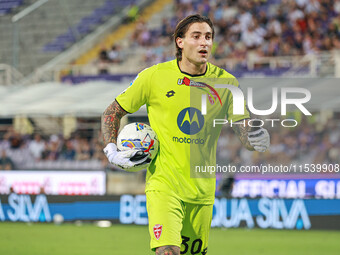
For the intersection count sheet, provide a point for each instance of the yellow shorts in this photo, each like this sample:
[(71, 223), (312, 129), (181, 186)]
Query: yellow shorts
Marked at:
[(174, 222)]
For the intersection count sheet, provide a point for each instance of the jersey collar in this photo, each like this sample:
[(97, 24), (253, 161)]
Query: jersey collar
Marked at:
[(192, 75)]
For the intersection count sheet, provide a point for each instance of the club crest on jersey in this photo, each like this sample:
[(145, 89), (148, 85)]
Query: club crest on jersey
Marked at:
[(212, 93), (157, 231)]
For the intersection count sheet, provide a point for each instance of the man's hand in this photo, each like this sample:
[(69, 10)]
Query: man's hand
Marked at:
[(259, 139), (125, 159)]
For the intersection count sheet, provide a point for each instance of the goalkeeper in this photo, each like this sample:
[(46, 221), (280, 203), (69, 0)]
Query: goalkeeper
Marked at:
[(180, 203)]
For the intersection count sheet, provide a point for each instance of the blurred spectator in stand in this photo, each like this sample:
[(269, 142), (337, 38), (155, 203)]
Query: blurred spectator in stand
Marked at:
[(217, 12), (16, 148), (222, 50), (103, 62), (245, 19), (308, 47), (312, 5), (68, 152), (277, 151), (166, 30), (229, 11), (336, 6), (140, 27), (53, 148), (323, 151), (98, 152), (148, 56), (311, 19), (37, 147), (144, 38), (5, 162), (332, 30), (291, 146), (251, 38), (114, 55), (132, 14), (298, 43), (239, 53), (15, 140), (295, 14), (83, 150), (285, 49), (5, 142), (326, 44), (273, 46), (274, 27)]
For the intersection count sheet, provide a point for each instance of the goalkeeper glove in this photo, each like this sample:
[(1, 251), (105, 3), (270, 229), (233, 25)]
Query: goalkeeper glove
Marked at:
[(125, 159), (259, 139)]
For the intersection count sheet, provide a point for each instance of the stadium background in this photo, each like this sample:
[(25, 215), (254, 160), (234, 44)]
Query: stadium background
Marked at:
[(63, 62)]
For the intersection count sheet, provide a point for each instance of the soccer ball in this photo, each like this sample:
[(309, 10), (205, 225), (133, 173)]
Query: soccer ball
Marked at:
[(138, 136)]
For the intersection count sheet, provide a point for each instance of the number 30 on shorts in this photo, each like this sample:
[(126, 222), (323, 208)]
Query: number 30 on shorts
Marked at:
[(196, 246)]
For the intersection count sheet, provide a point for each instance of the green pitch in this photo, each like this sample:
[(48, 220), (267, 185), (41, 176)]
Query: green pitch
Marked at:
[(68, 239)]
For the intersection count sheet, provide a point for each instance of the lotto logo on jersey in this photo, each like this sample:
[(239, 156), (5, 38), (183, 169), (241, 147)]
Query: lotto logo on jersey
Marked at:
[(157, 231), (190, 121)]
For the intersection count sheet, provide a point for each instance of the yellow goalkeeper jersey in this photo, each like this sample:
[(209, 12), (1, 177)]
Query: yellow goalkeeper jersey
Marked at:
[(181, 110)]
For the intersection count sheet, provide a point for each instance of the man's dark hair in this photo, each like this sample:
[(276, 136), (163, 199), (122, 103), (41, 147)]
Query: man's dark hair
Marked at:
[(183, 26)]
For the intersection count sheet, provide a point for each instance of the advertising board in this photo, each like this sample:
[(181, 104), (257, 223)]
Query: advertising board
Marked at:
[(129, 209), (53, 182)]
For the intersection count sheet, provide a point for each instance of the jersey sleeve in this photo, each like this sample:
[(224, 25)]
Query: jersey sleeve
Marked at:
[(137, 93), (230, 115)]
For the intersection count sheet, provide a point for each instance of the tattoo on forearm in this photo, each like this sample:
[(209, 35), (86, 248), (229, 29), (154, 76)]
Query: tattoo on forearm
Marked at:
[(168, 250), (242, 132), (111, 121)]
